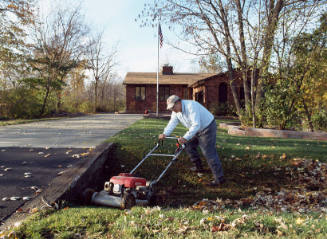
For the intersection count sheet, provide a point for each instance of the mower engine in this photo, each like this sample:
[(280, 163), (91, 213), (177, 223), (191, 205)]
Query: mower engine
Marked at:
[(122, 191), (126, 182)]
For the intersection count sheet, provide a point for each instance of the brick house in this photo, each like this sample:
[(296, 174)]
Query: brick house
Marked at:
[(207, 88)]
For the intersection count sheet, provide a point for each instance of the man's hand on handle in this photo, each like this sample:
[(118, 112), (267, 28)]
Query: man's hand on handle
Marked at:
[(162, 136), (182, 140)]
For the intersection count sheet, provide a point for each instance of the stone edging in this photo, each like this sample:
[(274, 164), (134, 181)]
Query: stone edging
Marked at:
[(256, 132)]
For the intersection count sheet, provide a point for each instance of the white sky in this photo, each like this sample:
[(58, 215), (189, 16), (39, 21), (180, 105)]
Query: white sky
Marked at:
[(137, 47)]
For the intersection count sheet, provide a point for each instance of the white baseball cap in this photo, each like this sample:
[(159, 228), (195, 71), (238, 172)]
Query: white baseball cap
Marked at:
[(171, 101)]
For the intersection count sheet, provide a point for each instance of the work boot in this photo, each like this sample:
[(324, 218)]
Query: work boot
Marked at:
[(197, 167), (216, 183)]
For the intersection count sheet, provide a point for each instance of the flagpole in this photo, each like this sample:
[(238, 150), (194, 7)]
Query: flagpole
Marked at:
[(157, 113)]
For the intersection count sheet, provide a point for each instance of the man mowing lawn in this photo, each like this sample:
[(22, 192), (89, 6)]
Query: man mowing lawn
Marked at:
[(201, 132)]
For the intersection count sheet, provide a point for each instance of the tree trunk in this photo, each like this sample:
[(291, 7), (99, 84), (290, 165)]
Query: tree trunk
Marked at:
[(96, 94), (270, 30), (114, 98), (246, 91), (59, 102), (233, 89), (45, 100), (307, 113), (244, 64), (253, 83)]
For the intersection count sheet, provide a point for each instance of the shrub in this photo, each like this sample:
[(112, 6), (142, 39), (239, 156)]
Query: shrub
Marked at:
[(319, 120), (222, 109), (245, 118), (22, 103)]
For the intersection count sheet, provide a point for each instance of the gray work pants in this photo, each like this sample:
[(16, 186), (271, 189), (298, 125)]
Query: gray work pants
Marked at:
[(206, 139)]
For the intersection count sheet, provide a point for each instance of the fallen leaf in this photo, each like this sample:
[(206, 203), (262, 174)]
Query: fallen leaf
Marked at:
[(34, 210), (68, 151), (76, 156), (299, 221), (19, 210), (14, 198), (182, 230), (283, 156), (264, 156)]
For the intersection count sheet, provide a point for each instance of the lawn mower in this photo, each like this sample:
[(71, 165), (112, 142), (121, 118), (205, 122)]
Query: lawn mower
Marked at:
[(125, 190)]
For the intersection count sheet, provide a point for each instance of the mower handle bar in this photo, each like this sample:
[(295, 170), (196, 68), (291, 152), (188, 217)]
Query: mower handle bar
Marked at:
[(174, 156)]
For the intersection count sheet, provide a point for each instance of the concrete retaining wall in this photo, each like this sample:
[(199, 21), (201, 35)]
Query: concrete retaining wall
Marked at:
[(89, 173)]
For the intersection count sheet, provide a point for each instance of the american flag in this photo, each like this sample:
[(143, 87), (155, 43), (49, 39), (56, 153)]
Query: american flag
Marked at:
[(160, 35)]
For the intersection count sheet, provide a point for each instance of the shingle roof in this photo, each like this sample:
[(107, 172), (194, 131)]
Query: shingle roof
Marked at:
[(149, 78)]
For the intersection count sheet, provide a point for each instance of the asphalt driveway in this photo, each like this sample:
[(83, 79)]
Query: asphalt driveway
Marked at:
[(79, 132), (32, 155)]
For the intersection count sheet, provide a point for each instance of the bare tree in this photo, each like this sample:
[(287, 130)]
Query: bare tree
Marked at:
[(242, 32), (101, 65), (59, 48), (15, 18)]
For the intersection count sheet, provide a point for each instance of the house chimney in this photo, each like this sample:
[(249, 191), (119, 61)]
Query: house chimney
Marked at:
[(167, 70)]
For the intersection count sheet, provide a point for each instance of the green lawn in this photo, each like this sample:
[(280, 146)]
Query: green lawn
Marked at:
[(275, 187)]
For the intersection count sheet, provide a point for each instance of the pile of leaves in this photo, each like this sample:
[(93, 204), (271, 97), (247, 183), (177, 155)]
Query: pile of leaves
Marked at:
[(307, 192)]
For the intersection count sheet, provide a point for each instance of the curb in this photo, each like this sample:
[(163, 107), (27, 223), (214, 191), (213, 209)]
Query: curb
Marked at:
[(70, 185)]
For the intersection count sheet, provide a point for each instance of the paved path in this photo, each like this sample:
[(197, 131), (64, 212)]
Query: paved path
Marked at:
[(79, 132), (44, 149)]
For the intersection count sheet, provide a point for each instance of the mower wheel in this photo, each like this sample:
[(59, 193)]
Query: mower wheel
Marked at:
[(108, 187), (87, 195), (128, 201), (152, 200)]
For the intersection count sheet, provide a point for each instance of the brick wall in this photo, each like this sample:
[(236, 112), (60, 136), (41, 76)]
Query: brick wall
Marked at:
[(210, 88), (150, 102)]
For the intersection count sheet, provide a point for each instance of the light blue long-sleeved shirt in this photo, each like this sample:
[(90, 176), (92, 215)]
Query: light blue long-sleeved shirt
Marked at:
[(194, 116)]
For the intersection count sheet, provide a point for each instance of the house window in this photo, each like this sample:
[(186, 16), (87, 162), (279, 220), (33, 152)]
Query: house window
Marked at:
[(185, 94), (242, 97), (222, 93), (164, 93), (140, 93), (199, 97)]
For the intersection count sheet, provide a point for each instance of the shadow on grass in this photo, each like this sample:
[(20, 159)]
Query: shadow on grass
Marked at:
[(246, 171), (181, 187)]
